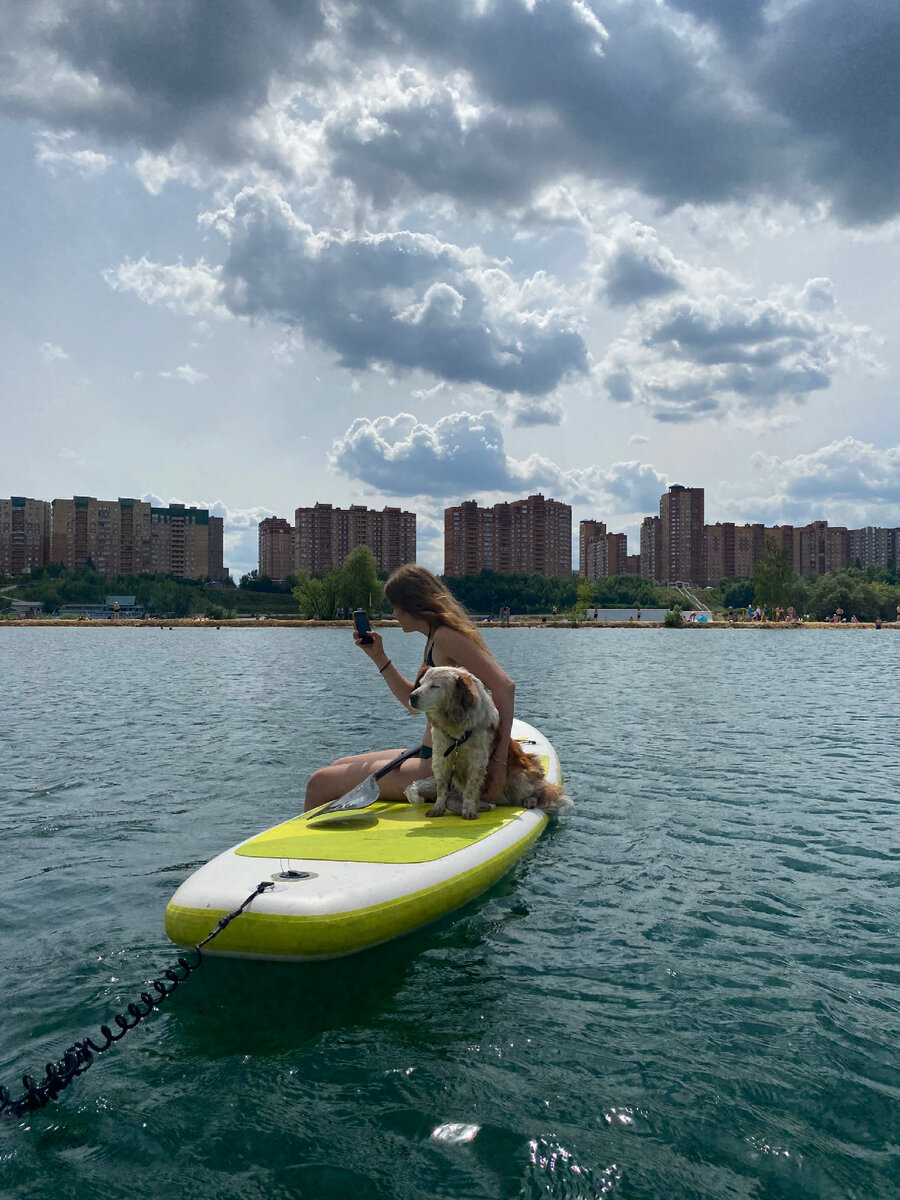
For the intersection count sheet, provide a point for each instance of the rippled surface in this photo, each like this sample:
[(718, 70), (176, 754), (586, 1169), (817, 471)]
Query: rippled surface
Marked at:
[(689, 989)]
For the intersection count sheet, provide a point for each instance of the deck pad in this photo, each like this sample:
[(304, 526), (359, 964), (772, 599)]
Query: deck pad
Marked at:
[(392, 833)]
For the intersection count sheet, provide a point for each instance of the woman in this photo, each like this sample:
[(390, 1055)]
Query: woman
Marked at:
[(422, 604)]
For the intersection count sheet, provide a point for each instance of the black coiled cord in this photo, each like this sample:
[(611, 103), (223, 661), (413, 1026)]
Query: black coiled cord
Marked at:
[(81, 1055)]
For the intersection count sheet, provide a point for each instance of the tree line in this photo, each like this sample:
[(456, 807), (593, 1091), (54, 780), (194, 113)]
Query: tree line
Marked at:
[(488, 592), (162, 594), (864, 592)]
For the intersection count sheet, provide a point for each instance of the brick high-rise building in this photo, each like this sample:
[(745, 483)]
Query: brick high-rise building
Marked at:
[(129, 537), (324, 536), (218, 572), (276, 548), (532, 536), (651, 548), (592, 558), (24, 535), (616, 554), (872, 546), (748, 544), (719, 552), (732, 550), (820, 548), (682, 537)]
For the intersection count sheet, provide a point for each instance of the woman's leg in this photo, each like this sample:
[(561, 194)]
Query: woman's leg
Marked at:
[(328, 783)]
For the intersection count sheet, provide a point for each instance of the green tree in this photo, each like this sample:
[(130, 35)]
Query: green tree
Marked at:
[(584, 596), (772, 574), (673, 618), (317, 598), (357, 584)]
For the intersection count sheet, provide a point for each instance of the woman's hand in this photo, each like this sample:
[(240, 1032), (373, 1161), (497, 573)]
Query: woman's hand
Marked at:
[(374, 649), (494, 780)]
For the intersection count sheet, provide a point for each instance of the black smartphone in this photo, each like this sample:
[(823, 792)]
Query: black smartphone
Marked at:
[(362, 626)]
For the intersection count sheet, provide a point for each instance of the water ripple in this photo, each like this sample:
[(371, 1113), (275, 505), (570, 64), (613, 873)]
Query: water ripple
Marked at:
[(689, 989)]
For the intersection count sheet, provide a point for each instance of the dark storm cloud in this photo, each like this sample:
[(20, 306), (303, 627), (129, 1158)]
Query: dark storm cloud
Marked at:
[(161, 73), (403, 299), (801, 106), (833, 70), (631, 103), (736, 20), (799, 103)]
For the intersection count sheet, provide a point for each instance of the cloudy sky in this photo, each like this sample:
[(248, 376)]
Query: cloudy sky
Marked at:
[(262, 253)]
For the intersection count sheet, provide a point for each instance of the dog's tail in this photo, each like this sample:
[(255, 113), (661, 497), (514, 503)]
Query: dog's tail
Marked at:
[(554, 798), (526, 779)]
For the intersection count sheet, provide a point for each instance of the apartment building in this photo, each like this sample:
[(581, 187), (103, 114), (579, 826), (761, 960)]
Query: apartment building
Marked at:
[(874, 547), (592, 550), (325, 535), (748, 543), (651, 549), (531, 536), (682, 535), (24, 534), (276, 548), (130, 537), (819, 548), (616, 554)]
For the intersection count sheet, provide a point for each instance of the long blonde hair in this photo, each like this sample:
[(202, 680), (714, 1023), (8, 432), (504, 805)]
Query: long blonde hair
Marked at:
[(420, 593)]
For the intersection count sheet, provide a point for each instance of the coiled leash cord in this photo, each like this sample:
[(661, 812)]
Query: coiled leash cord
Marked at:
[(76, 1060)]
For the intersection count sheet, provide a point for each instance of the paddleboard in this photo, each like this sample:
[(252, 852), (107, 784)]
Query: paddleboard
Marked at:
[(352, 883)]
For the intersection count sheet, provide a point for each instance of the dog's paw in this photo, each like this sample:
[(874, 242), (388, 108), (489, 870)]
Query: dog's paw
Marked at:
[(437, 811), (469, 816)]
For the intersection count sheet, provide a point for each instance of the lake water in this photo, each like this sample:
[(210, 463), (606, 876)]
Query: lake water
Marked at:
[(689, 989)]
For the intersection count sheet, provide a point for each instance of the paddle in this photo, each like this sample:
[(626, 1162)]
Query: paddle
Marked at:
[(364, 794)]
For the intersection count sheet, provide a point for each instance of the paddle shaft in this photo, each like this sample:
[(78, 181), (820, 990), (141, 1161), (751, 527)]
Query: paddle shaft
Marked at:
[(395, 762)]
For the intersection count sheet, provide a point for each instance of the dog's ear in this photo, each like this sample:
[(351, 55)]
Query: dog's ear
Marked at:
[(463, 700)]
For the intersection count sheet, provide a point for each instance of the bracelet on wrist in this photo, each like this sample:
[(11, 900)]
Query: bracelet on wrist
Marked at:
[(381, 670)]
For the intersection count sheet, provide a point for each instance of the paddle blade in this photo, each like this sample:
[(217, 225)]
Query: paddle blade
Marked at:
[(361, 796)]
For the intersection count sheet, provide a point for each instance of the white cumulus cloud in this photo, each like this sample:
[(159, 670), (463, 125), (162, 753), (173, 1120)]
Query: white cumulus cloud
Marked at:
[(463, 455)]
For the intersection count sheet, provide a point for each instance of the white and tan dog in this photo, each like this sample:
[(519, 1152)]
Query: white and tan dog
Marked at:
[(464, 724)]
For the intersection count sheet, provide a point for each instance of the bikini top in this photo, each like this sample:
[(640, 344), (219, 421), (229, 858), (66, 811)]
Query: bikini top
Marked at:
[(428, 660)]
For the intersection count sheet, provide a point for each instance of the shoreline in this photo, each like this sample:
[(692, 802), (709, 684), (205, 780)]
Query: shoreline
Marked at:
[(299, 623)]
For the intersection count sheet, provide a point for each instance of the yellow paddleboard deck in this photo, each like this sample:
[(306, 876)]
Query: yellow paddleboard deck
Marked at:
[(354, 882)]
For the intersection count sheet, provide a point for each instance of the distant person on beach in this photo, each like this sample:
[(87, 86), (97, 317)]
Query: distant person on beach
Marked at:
[(422, 604)]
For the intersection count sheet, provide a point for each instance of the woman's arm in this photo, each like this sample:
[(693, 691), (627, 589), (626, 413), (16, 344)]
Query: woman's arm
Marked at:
[(453, 648), (399, 685)]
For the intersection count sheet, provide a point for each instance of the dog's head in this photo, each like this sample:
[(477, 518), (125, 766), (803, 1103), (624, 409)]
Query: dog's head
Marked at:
[(450, 696)]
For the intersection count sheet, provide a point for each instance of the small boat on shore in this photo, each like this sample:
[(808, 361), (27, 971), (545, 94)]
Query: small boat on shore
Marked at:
[(355, 882)]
